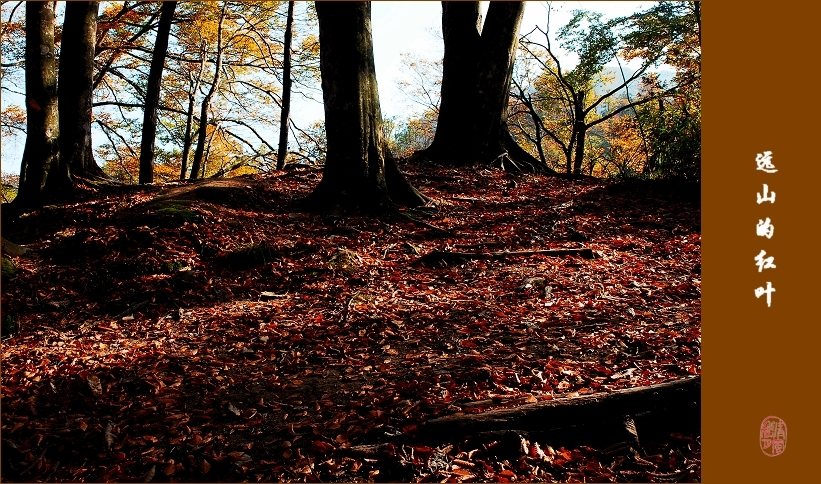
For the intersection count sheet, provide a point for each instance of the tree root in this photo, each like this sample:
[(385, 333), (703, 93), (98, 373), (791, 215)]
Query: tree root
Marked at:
[(611, 421), (443, 258)]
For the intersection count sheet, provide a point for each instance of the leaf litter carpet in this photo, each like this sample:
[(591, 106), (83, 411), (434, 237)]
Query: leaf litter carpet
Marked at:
[(212, 332)]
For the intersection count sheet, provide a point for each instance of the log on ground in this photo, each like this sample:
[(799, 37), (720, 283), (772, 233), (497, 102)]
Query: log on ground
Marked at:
[(660, 408)]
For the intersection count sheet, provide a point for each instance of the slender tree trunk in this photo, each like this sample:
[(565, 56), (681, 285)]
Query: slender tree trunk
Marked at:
[(579, 132), (197, 163), (40, 155), (152, 93), (539, 141), (75, 91), (186, 141), (697, 13), (286, 90), (579, 155), (189, 119), (358, 174)]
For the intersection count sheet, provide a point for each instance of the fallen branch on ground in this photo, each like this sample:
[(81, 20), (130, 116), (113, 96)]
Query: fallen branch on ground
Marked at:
[(602, 419), (445, 257), (676, 400)]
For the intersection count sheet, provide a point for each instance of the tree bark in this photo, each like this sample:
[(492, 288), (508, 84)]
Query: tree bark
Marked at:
[(197, 163), (497, 50), (286, 89), (40, 155), (75, 92), (572, 417), (189, 119), (476, 74), (358, 175), (579, 133), (152, 93), (460, 29)]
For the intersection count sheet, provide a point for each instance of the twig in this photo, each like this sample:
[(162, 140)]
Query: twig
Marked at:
[(347, 308)]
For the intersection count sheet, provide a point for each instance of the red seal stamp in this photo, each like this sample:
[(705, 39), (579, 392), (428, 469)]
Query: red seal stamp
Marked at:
[(773, 436)]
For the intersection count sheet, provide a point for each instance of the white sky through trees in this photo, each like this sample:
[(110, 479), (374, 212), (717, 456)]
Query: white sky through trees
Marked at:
[(399, 27)]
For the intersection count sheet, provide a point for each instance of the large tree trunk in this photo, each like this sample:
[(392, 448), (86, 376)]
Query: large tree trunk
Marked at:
[(500, 36), (286, 89), (152, 93), (75, 91), (477, 69), (41, 152), (358, 174), (454, 136), (198, 163)]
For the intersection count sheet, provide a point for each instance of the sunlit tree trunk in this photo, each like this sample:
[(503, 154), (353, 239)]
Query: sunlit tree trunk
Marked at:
[(358, 174), (286, 89), (75, 92), (41, 151), (198, 163), (152, 93), (579, 132), (194, 85)]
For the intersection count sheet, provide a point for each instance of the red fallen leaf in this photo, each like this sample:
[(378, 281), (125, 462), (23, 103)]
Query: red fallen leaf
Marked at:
[(462, 473), (321, 447), (170, 468), (238, 456), (149, 476), (95, 385), (205, 467), (109, 435), (422, 450)]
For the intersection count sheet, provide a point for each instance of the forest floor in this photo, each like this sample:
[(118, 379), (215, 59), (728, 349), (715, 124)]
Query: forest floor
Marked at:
[(211, 332)]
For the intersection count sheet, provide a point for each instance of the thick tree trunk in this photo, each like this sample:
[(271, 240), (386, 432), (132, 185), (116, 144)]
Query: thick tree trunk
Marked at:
[(75, 91), (454, 134), (152, 93), (358, 174), (477, 69), (497, 50), (286, 89), (40, 155), (197, 163)]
